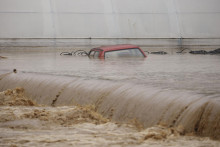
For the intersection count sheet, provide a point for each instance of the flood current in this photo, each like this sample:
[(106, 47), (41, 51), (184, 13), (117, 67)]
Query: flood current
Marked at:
[(197, 73), (162, 100)]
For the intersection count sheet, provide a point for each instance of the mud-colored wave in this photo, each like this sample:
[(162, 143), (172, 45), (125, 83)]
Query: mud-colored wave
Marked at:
[(15, 97), (22, 130), (38, 125), (122, 102), (74, 115)]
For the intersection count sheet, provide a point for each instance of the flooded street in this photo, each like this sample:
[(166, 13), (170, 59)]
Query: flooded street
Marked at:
[(200, 73), (156, 81), (163, 100)]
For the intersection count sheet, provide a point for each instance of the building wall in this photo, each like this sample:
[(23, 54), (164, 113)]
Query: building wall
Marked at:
[(119, 19)]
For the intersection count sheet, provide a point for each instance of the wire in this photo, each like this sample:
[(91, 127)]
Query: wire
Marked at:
[(75, 53), (65, 53), (183, 50)]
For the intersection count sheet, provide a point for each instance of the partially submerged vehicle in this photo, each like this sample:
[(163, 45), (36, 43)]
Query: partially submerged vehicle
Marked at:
[(112, 51), (117, 51)]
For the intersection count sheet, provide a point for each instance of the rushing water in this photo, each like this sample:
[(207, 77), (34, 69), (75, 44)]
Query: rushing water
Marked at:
[(174, 90)]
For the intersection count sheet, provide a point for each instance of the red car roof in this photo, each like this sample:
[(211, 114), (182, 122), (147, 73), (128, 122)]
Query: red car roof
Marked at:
[(116, 47)]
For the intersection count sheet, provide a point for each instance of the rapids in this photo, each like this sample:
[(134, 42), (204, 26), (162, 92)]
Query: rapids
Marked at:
[(123, 102), (23, 122)]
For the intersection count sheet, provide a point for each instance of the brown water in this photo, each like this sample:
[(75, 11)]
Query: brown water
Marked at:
[(29, 124), (175, 91), (198, 73)]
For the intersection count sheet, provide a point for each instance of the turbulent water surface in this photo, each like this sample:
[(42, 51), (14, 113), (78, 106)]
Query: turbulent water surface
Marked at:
[(200, 73), (155, 101)]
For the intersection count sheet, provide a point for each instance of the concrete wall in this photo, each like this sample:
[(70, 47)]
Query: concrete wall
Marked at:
[(119, 19)]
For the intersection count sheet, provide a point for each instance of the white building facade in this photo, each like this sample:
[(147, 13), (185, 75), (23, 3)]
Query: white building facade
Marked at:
[(97, 22)]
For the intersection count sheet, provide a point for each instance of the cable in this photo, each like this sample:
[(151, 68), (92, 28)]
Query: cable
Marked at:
[(183, 50), (66, 53), (75, 53)]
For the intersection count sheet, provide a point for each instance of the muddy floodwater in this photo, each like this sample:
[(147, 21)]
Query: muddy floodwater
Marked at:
[(198, 73), (163, 100)]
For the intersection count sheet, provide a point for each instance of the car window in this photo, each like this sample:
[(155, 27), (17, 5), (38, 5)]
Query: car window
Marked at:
[(135, 52), (92, 53), (96, 55)]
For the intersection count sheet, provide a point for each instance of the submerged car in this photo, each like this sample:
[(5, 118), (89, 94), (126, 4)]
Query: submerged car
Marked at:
[(115, 51)]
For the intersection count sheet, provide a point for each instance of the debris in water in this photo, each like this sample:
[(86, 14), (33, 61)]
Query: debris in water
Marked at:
[(217, 51), (75, 53), (199, 52), (159, 53), (2, 57), (15, 70)]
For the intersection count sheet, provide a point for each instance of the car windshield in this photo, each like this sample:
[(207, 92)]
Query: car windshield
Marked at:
[(94, 54), (134, 52)]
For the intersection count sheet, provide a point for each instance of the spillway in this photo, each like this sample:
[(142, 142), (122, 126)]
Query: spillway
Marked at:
[(123, 102)]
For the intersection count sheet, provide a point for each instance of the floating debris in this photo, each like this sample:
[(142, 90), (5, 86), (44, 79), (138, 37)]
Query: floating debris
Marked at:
[(198, 52), (159, 53), (217, 51), (2, 57), (75, 53)]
